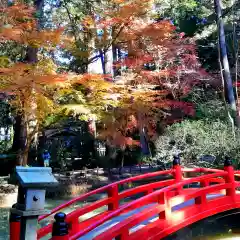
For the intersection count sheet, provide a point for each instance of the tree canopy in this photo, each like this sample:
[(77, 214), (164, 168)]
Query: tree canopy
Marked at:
[(150, 55)]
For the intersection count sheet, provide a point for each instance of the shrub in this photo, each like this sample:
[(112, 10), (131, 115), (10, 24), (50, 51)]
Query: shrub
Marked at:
[(192, 139)]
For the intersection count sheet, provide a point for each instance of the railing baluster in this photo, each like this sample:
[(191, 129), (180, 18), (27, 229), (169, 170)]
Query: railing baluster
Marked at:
[(74, 225), (113, 193), (230, 177), (14, 225), (163, 200), (202, 199), (177, 168), (177, 171), (204, 183)]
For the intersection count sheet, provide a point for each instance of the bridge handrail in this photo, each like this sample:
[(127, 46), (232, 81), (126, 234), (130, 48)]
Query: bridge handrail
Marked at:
[(147, 199), (201, 170), (113, 201), (104, 188), (79, 212), (131, 179), (132, 221), (73, 216)]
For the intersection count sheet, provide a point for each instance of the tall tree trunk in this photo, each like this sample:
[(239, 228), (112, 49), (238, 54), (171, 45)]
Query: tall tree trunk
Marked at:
[(21, 141), (19, 138), (103, 60), (224, 59), (25, 154), (121, 153), (115, 58)]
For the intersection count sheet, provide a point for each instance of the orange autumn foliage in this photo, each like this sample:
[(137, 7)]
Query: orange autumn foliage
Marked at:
[(177, 70), (18, 23), (135, 100), (21, 76), (32, 85)]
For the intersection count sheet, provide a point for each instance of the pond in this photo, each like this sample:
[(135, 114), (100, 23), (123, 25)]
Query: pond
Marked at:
[(224, 226), (50, 204), (219, 227)]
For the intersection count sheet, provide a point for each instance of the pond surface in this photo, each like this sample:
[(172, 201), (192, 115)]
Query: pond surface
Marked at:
[(50, 204), (224, 226), (220, 227)]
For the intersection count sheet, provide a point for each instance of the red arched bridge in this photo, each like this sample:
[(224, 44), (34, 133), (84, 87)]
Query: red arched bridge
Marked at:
[(164, 207)]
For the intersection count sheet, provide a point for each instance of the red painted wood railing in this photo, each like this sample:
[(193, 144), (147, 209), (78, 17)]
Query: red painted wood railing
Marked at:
[(162, 196), (112, 200), (114, 196), (168, 221)]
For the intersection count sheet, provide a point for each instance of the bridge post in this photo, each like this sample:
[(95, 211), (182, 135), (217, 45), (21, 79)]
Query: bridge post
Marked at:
[(228, 167), (178, 170), (14, 225), (113, 193), (60, 227), (163, 199)]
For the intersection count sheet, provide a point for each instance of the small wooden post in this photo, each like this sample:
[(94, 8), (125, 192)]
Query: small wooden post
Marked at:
[(178, 171), (60, 227), (228, 167), (14, 225), (113, 193)]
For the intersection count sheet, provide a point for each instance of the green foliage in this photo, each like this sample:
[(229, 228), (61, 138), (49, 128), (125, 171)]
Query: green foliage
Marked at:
[(207, 133), (176, 9), (53, 119), (211, 110), (5, 122), (71, 13), (11, 50), (193, 139), (187, 15), (5, 145), (208, 104), (5, 119)]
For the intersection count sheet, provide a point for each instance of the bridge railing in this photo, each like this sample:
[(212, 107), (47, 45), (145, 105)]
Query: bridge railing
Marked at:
[(112, 200), (177, 173), (114, 197), (160, 196), (166, 203)]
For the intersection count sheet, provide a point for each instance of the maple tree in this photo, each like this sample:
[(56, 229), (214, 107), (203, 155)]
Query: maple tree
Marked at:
[(31, 84), (91, 43), (141, 96), (76, 16), (133, 102), (176, 71)]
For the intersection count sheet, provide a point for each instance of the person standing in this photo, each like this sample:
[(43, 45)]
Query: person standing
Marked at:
[(46, 158)]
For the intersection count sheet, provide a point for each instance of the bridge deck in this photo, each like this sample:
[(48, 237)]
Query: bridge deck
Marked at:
[(107, 225)]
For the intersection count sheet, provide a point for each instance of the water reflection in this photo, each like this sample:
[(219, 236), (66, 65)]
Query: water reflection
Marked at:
[(224, 226), (234, 237), (4, 223)]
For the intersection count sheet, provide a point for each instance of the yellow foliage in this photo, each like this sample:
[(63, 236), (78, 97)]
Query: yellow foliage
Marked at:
[(76, 109), (88, 22), (17, 23), (4, 61), (118, 1), (32, 87)]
